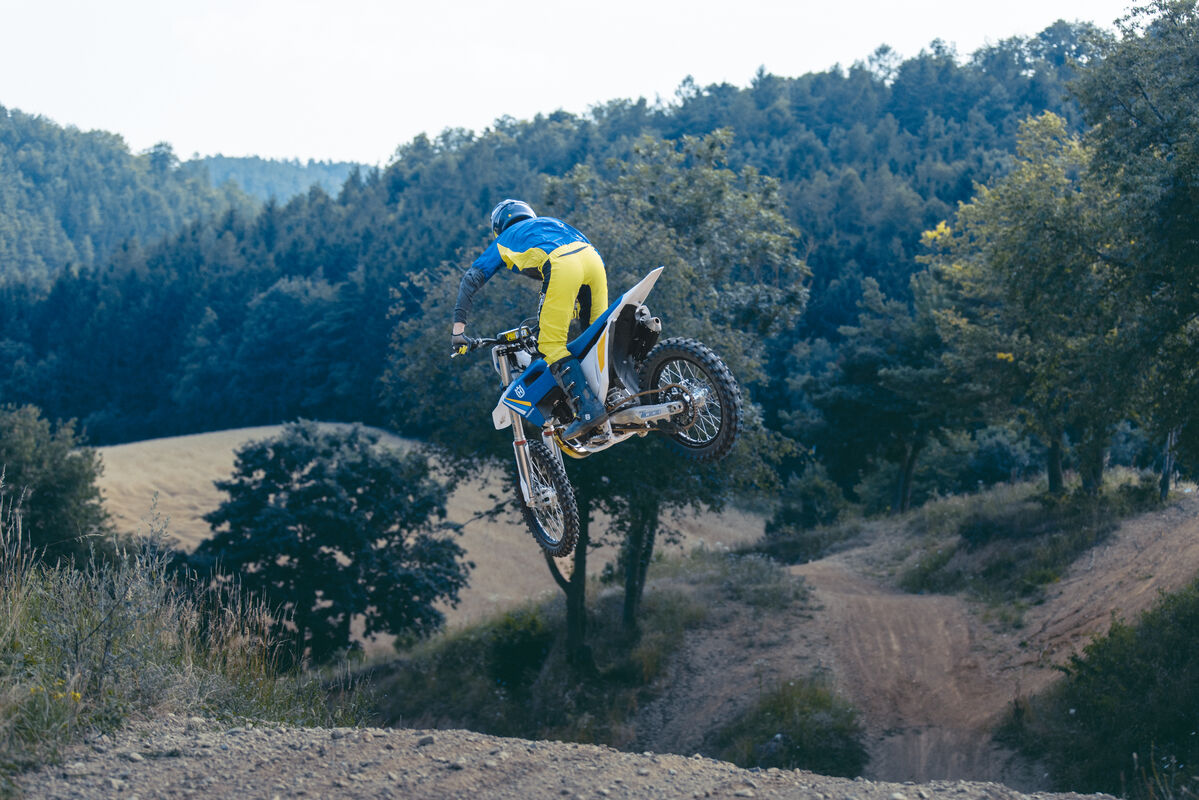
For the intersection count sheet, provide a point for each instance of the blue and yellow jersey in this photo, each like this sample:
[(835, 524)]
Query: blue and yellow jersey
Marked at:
[(527, 245)]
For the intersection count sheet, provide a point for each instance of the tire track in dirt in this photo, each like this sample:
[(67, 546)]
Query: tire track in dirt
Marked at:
[(913, 668), (1147, 556)]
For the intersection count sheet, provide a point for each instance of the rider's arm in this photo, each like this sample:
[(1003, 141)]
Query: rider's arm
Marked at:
[(473, 279)]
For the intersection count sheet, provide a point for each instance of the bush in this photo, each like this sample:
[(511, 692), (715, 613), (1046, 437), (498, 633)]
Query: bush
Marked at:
[(86, 647), (792, 546), (800, 724), (519, 643), (54, 477), (807, 502), (1123, 720), (804, 527), (508, 676)]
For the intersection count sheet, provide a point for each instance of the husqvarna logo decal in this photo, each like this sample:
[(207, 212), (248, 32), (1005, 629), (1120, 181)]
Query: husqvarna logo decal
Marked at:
[(519, 391)]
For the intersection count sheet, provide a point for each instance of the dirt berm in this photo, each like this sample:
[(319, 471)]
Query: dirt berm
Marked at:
[(174, 757)]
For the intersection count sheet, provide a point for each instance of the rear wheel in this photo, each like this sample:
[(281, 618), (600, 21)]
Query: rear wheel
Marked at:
[(552, 514), (687, 370)]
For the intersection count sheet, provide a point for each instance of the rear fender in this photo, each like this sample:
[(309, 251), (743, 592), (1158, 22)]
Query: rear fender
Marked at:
[(597, 360)]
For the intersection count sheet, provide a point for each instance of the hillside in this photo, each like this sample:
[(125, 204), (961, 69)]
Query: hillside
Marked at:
[(284, 311), (929, 673), (270, 179), (179, 472), (72, 198)]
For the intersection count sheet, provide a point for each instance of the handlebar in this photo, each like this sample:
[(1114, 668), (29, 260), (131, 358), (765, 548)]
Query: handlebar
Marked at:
[(524, 335), (472, 344)]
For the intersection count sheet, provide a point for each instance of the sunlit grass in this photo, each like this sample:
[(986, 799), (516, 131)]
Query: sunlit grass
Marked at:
[(86, 649)]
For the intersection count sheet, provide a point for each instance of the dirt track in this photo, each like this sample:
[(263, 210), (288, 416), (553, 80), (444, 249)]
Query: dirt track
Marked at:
[(913, 666), (931, 677)]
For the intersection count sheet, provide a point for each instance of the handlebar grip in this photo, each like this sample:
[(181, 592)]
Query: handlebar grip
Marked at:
[(463, 349)]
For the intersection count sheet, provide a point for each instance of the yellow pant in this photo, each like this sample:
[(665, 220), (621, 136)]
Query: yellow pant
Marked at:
[(572, 267)]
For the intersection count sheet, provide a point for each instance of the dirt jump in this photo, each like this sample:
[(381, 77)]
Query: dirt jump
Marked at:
[(931, 676)]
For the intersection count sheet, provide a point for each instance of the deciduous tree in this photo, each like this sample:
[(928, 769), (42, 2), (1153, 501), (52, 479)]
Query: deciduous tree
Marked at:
[(329, 525)]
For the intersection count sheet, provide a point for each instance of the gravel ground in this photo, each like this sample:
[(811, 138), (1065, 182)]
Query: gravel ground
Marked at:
[(180, 757)]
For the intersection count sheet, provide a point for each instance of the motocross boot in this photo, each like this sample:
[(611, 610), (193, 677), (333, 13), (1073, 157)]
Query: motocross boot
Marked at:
[(589, 412)]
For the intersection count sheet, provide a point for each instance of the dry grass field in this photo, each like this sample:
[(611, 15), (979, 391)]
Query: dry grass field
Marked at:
[(176, 476)]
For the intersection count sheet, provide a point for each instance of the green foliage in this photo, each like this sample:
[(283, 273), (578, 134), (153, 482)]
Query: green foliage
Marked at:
[(805, 524), (270, 179), (886, 396), (956, 462), (809, 500), (509, 676), (52, 478), (83, 649), (70, 199), (326, 525), (148, 343), (800, 724), (1123, 719), (1035, 323), (518, 645), (1142, 98)]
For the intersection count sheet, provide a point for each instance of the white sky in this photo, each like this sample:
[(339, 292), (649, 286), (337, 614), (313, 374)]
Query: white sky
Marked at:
[(353, 79)]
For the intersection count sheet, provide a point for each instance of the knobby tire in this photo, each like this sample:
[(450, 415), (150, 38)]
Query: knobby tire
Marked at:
[(711, 434), (556, 529)]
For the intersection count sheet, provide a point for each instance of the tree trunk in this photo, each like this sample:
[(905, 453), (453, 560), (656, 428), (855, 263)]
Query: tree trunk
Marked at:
[(1167, 464), (1092, 453), (902, 501), (1057, 479), (578, 654), (639, 550)]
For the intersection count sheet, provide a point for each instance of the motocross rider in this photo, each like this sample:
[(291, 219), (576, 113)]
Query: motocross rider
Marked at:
[(569, 268)]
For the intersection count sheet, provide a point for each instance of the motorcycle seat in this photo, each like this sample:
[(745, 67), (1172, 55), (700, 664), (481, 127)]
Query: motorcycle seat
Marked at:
[(582, 343)]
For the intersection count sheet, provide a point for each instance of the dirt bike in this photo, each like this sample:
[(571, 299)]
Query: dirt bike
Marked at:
[(677, 388)]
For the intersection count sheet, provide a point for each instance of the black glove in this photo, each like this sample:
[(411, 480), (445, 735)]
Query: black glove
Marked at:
[(459, 343)]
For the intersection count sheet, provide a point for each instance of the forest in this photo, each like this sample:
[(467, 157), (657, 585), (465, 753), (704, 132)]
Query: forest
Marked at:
[(931, 274), (264, 179)]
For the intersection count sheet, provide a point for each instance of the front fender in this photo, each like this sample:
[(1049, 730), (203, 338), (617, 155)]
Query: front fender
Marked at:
[(501, 417)]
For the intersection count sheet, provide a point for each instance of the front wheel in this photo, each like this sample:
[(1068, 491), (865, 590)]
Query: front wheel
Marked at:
[(687, 370), (552, 513)]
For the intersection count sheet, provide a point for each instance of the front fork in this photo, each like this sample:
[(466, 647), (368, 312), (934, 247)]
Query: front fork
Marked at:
[(520, 446)]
